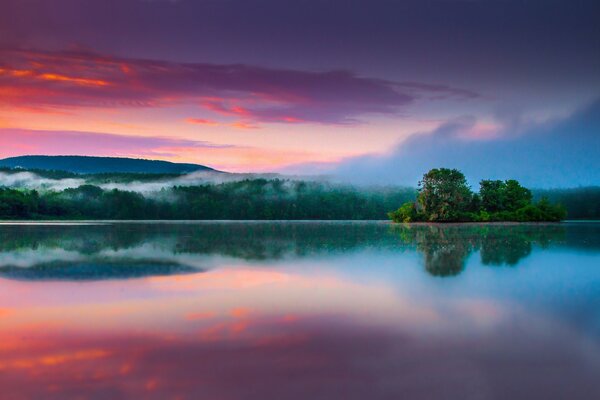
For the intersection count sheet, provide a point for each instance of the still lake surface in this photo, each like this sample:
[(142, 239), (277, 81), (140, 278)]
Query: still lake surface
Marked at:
[(299, 310)]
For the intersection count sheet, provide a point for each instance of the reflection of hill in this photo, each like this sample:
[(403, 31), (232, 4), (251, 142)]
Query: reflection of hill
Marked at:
[(170, 248), (94, 270), (133, 250), (246, 240)]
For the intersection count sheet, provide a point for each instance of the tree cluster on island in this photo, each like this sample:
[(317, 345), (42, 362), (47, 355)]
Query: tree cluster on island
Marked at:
[(445, 196)]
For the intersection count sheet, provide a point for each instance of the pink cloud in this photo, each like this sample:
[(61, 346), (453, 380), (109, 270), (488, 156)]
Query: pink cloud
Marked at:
[(23, 141), (202, 121), (76, 79), (210, 122)]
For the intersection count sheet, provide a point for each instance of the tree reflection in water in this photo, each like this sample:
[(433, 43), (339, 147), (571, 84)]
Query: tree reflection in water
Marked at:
[(117, 251), (445, 248)]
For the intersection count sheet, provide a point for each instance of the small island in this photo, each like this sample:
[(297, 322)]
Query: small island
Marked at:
[(445, 196)]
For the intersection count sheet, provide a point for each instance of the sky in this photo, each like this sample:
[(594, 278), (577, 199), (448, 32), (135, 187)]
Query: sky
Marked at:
[(370, 91)]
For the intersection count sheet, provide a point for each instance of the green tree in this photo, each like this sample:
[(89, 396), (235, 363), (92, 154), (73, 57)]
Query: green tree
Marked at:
[(499, 196), (444, 195), (406, 213), (551, 212), (492, 194), (515, 195)]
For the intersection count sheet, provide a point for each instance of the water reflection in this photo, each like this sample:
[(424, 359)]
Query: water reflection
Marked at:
[(445, 248), (136, 250), (94, 269), (297, 311)]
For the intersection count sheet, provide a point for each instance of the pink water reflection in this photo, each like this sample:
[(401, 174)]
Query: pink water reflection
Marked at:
[(262, 333)]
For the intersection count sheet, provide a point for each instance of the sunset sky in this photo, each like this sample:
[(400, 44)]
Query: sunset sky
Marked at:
[(355, 88)]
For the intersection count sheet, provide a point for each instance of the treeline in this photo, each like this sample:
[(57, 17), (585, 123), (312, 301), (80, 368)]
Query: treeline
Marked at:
[(276, 199), (96, 178), (445, 196), (247, 199), (581, 203)]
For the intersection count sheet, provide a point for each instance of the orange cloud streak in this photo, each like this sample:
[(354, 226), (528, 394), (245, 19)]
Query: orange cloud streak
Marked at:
[(202, 121), (81, 81), (240, 312), (210, 122), (200, 315), (53, 359), (21, 73)]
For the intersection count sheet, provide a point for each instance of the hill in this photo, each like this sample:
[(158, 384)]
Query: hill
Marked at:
[(99, 165)]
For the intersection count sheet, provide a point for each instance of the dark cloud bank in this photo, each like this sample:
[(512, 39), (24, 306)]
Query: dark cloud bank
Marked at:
[(565, 153)]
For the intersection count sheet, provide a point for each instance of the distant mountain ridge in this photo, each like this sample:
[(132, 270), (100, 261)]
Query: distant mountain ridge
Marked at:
[(99, 165)]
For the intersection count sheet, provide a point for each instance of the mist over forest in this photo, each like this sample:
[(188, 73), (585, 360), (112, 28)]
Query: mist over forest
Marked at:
[(41, 194)]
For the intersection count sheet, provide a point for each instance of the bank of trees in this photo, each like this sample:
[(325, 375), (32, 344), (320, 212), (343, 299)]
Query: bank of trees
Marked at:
[(581, 203), (268, 199), (445, 196)]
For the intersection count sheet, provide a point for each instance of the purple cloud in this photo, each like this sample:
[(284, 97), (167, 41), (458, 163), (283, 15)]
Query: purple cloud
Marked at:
[(85, 79)]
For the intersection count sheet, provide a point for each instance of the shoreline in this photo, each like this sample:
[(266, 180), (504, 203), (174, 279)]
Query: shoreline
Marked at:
[(305, 221)]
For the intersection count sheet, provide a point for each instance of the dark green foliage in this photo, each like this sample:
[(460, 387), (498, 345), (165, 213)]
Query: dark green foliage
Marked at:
[(580, 203), (499, 196), (406, 213), (18, 204), (444, 196), (515, 195), (551, 212), (284, 199), (127, 177), (42, 173), (281, 199), (492, 195), (247, 199)]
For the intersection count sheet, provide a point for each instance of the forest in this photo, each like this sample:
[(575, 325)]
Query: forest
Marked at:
[(273, 199), (247, 199)]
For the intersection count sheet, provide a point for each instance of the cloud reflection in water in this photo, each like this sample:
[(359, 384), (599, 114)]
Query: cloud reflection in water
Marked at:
[(303, 311)]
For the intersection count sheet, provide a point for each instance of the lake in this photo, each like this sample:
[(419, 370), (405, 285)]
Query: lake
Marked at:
[(299, 310)]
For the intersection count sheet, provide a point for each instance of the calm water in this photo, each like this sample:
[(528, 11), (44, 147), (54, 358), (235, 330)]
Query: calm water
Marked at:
[(299, 311)]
